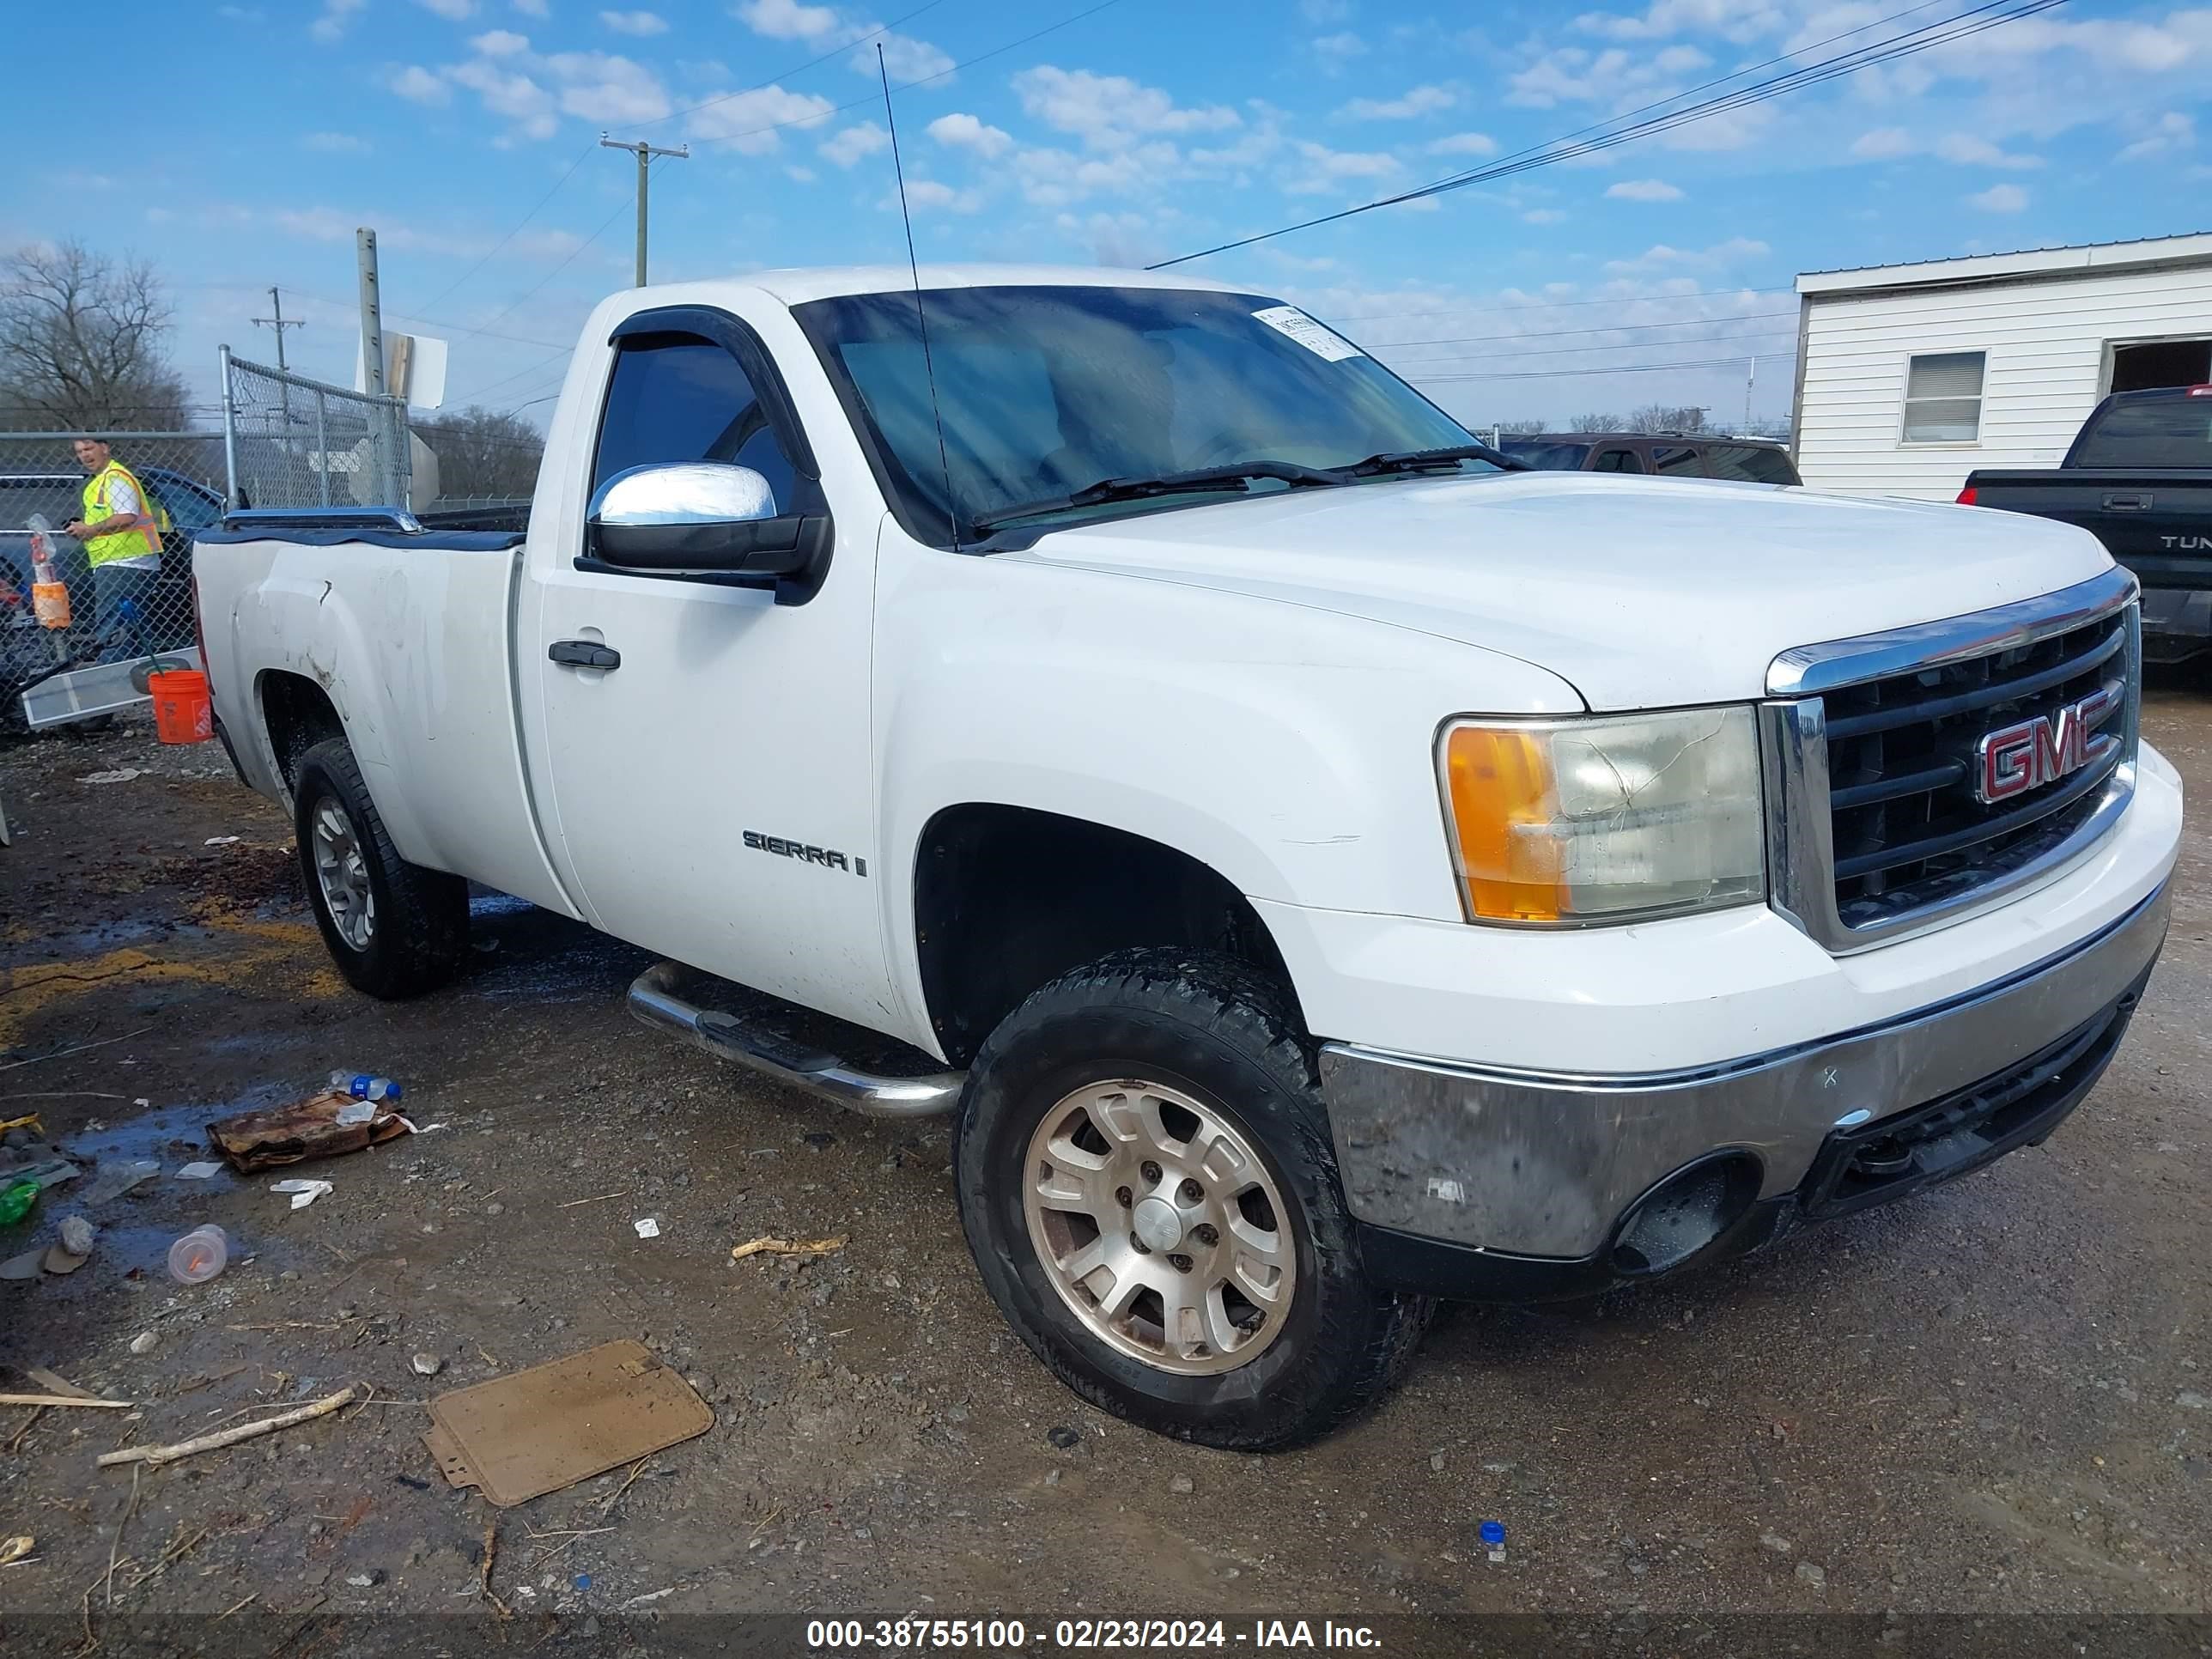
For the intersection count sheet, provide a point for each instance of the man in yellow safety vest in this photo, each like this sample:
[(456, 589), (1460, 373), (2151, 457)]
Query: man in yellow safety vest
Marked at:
[(121, 530)]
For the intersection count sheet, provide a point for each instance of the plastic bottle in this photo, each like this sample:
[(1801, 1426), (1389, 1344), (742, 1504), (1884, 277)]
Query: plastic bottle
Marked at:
[(1493, 1539), (199, 1255), (49, 596), (362, 1087), (16, 1199)]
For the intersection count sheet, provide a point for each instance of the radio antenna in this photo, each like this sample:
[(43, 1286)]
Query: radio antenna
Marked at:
[(920, 316)]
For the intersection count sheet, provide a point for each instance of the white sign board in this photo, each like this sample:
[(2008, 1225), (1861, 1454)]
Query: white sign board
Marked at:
[(414, 368)]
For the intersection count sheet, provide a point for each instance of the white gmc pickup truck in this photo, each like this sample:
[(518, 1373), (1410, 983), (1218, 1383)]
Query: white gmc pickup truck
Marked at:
[(1321, 867)]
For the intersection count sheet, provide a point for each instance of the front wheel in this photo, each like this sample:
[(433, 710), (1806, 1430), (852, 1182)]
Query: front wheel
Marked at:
[(1147, 1182), (395, 929)]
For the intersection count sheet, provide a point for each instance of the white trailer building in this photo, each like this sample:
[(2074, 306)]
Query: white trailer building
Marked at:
[(1908, 377)]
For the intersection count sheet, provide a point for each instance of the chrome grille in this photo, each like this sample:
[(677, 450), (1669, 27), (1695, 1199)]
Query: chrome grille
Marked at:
[(1876, 826)]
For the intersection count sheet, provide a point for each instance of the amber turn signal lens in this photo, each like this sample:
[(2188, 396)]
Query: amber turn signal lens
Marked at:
[(1502, 797)]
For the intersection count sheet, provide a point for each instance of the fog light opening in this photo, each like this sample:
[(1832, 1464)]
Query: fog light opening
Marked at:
[(1684, 1213)]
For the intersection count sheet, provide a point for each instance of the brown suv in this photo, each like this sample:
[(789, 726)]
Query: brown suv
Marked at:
[(1662, 454)]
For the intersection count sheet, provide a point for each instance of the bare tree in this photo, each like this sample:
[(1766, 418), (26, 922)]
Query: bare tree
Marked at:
[(1526, 423), (1667, 418), (1597, 423), (484, 452), (80, 343)]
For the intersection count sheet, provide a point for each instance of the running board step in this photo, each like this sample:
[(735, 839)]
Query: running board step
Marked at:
[(656, 998)]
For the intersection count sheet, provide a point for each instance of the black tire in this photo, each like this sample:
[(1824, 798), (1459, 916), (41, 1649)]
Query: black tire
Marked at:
[(1218, 1031), (420, 936)]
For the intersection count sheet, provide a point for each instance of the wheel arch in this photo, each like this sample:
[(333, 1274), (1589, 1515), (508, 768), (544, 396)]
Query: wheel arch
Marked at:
[(1007, 898)]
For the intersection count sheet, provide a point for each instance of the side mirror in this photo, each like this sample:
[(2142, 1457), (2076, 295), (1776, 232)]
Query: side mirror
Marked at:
[(700, 522)]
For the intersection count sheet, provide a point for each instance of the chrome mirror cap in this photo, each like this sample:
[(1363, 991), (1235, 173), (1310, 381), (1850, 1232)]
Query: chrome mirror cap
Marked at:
[(673, 493)]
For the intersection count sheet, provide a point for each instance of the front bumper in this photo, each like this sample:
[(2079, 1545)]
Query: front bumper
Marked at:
[(1517, 1184)]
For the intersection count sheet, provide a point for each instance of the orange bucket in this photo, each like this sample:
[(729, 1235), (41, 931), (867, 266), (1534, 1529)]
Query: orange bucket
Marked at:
[(182, 712)]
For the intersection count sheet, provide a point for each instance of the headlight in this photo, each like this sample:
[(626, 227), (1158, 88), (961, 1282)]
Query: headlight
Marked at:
[(1605, 818)]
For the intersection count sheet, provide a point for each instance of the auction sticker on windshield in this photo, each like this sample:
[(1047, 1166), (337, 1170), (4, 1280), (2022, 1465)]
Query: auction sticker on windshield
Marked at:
[(1315, 336)]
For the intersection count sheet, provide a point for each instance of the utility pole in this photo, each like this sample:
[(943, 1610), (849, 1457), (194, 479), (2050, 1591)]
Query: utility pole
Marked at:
[(279, 322), (372, 315), (644, 153), (1750, 375)]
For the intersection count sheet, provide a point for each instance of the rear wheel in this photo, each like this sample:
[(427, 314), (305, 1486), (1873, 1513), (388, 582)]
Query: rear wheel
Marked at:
[(395, 929), (1149, 1187)]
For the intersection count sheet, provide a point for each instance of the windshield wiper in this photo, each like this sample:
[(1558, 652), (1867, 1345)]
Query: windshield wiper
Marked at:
[(1422, 460), (1236, 475)]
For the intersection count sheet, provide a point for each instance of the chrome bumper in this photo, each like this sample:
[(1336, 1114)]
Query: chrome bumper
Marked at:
[(1545, 1163)]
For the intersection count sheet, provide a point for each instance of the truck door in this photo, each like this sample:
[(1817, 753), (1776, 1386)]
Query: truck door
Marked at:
[(707, 749)]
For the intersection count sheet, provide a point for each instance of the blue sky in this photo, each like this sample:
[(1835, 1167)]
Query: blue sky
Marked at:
[(466, 132)]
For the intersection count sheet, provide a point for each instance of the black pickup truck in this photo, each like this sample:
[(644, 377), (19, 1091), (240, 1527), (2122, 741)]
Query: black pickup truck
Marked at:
[(2139, 477)]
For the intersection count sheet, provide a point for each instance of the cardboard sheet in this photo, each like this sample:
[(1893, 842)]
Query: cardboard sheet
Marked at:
[(521, 1437)]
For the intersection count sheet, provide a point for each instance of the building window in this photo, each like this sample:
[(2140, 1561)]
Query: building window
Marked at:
[(1943, 398)]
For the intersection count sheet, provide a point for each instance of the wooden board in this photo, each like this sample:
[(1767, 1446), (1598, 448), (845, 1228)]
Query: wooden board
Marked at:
[(523, 1435)]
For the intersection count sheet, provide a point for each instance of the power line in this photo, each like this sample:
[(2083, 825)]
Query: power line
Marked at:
[(1736, 362), (582, 156), (1906, 44), (1556, 333), (1617, 346), (1556, 305)]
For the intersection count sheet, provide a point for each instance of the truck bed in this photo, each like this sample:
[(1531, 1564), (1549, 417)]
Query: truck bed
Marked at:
[(2156, 522)]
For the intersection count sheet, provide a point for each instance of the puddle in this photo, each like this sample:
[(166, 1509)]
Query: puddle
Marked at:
[(171, 1136), (485, 903)]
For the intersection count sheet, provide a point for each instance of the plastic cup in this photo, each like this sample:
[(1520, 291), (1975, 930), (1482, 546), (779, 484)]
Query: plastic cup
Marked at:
[(199, 1255)]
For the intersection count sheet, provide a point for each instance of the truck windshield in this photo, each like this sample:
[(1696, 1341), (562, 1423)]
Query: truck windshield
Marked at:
[(1546, 456), (2161, 432), (1045, 392)]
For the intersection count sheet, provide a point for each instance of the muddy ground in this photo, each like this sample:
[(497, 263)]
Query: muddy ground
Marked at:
[(1990, 1398)]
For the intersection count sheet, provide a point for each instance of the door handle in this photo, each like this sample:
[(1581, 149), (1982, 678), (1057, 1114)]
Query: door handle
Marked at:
[(582, 654), (2127, 503)]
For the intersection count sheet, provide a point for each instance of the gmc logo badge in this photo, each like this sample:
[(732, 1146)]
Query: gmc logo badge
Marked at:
[(2015, 759)]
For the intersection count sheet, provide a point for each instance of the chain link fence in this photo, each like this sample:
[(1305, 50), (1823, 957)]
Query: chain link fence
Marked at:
[(131, 622), (299, 443)]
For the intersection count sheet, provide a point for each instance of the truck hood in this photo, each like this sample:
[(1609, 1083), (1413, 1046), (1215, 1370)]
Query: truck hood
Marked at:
[(1639, 592)]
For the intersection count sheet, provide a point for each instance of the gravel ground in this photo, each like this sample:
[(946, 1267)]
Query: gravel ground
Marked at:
[(1992, 1399)]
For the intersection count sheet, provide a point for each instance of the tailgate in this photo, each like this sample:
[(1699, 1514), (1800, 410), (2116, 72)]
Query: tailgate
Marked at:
[(2157, 524)]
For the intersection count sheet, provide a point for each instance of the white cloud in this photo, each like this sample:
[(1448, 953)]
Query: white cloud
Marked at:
[(1108, 112), (508, 93), (1733, 129), (2000, 199), (1115, 239), (418, 86), (1543, 217), (1738, 19), (1644, 190), (802, 175), (336, 144), (500, 43), (337, 14), (927, 195), (1407, 106), (598, 86), (963, 132), (787, 20), (1615, 78), (1465, 144), (1321, 168), (905, 58), (451, 11), (1055, 178), (1662, 257), (1882, 144), (1969, 151), (854, 144), (634, 23), (2172, 131), (748, 121), (1334, 51)]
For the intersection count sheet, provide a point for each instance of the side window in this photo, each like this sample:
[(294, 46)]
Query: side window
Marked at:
[(1749, 464), (1943, 397), (187, 508), (678, 398), (1617, 460), (1678, 459)]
